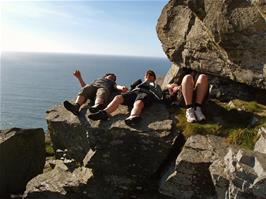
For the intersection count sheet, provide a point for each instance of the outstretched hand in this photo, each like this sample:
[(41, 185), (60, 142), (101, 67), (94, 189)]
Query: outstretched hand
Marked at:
[(77, 74)]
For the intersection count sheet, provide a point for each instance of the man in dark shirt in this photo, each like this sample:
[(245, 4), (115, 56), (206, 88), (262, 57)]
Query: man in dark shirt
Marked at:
[(100, 90), (140, 96)]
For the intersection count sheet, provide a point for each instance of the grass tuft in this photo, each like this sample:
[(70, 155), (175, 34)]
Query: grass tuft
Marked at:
[(233, 121)]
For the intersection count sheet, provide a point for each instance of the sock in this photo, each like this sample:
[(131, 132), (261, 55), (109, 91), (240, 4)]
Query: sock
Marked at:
[(197, 104), (188, 106), (77, 105)]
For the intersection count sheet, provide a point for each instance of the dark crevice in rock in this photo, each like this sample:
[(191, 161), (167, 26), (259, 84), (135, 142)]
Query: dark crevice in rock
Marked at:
[(198, 7), (171, 157), (151, 184), (225, 90)]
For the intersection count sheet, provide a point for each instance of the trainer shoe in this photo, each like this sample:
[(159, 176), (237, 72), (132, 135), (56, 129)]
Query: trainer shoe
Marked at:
[(199, 115), (100, 115), (190, 115), (96, 108), (132, 120), (71, 107)]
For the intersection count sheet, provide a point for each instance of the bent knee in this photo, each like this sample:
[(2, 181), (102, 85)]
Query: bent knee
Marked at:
[(203, 78), (139, 103), (187, 78)]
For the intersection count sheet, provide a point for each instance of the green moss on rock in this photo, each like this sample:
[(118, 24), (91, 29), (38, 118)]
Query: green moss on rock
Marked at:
[(238, 121)]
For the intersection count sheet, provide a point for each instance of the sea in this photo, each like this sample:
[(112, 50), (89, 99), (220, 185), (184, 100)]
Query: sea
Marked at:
[(31, 83)]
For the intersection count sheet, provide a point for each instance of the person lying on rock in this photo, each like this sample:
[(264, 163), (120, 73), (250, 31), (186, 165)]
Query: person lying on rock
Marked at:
[(142, 94), (100, 89), (194, 89)]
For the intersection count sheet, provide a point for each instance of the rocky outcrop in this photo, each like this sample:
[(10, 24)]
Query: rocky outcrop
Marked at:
[(208, 167), (122, 160), (240, 174), (217, 37), (219, 87), (22, 157), (190, 178), (60, 183), (260, 145)]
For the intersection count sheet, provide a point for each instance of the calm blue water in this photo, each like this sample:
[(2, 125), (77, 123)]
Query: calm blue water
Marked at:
[(33, 82)]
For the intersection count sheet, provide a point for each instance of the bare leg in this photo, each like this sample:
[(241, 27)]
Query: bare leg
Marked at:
[(80, 100), (99, 100), (113, 105), (187, 89), (201, 88), (137, 108)]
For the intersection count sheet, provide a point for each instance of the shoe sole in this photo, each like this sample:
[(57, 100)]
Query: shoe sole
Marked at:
[(95, 117), (68, 105), (93, 110), (131, 122)]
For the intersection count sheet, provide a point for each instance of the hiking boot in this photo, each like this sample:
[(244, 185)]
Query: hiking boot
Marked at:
[(96, 108), (199, 115), (100, 115), (132, 120), (190, 115), (73, 108)]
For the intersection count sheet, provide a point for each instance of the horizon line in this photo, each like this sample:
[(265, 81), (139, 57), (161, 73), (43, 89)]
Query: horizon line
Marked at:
[(83, 53)]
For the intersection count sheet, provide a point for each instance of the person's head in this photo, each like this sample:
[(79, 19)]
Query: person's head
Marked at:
[(150, 75), (110, 76)]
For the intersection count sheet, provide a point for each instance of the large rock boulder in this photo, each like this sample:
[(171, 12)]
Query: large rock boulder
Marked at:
[(123, 160), (240, 174), (22, 157), (59, 183), (225, 38), (221, 88), (208, 167), (190, 177)]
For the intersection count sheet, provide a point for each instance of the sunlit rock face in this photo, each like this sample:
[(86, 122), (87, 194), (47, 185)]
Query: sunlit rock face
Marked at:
[(105, 158), (224, 38)]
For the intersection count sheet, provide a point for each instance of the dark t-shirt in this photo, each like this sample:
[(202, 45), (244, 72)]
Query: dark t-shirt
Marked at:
[(150, 88), (105, 83)]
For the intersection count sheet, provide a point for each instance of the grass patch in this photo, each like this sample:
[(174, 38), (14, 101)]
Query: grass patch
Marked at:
[(189, 129), (251, 106), (235, 122), (49, 150), (244, 137)]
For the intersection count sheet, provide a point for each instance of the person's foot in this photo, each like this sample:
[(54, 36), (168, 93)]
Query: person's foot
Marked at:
[(199, 115), (190, 115), (97, 107), (132, 120), (73, 108), (100, 115)]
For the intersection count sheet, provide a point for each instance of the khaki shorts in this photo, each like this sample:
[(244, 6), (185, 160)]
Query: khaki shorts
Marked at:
[(91, 92)]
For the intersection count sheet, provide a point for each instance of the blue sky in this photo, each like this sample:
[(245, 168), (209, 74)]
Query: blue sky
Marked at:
[(93, 27)]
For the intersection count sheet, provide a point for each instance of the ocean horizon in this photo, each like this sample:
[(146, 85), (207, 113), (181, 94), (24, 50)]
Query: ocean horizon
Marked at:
[(31, 83)]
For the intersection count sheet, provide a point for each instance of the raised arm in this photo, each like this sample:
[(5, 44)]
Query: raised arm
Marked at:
[(77, 74)]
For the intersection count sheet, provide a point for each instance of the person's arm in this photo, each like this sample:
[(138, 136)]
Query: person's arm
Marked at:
[(135, 84), (159, 92), (77, 74), (123, 89)]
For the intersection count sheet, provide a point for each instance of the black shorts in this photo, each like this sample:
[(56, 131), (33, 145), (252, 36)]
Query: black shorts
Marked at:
[(132, 96)]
